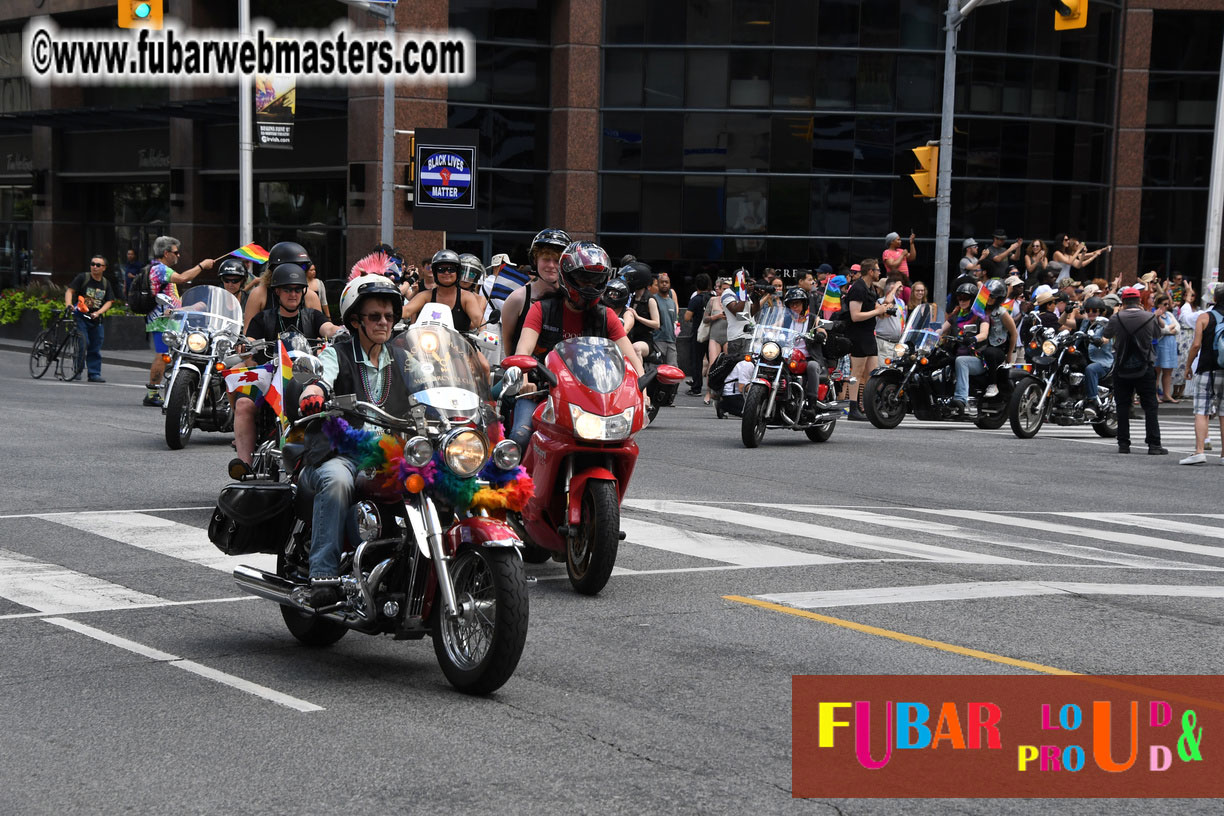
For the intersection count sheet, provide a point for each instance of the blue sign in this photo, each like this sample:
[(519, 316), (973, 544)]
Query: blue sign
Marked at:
[(446, 177)]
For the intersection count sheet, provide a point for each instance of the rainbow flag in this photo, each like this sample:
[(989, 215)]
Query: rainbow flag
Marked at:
[(832, 300), (741, 284), (979, 304), (251, 252), (281, 373), (253, 382)]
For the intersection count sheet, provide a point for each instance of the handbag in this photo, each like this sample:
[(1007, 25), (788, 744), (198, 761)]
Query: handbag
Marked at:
[(703, 331)]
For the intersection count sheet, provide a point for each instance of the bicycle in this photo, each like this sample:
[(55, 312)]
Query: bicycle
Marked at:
[(61, 344)]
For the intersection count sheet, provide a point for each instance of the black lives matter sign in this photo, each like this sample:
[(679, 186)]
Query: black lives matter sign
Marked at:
[(445, 179)]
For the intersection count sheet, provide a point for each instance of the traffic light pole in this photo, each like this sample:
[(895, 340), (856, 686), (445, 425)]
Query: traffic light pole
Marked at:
[(1215, 198), (246, 142), (943, 184)]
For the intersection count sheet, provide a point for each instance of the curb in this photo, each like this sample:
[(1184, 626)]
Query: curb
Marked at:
[(24, 348)]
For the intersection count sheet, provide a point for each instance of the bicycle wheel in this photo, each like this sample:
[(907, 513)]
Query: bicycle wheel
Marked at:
[(73, 353), (42, 354)]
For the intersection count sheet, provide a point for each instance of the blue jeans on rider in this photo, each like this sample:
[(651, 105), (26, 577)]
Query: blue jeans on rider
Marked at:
[(332, 483), (1092, 377), (520, 430), (94, 334), (966, 367)]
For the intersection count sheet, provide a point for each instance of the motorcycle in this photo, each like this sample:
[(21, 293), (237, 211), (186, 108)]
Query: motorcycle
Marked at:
[(209, 326), (776, 397), (1054, 391), (922, 378), (421, 556), (581, 456)]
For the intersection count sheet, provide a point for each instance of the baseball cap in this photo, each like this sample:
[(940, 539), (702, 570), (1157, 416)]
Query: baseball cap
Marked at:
[(968, 242), (837, 281), (824, 269), (1138, 287), (856, 268), (1001, 234), (1130, 293), (1044, 297), (1043, 290)]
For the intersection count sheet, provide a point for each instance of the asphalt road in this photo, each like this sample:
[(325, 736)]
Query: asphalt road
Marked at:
[(138, 679)]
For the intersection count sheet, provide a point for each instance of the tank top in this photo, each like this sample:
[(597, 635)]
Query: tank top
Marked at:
[(462, 321)]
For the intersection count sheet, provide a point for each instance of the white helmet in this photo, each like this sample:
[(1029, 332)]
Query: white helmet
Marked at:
[(358, 289)]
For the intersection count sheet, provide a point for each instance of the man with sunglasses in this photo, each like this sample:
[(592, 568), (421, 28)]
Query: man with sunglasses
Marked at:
[(95, 293), (288, 287), (163, 280)]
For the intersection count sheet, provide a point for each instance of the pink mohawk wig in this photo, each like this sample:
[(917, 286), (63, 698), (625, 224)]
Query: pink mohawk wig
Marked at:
[(376, 263)]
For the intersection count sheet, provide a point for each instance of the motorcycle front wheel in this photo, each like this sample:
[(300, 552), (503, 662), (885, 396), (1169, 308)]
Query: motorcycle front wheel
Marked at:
[(479, 650), (591, 554), (881, 402), (180, 411), (752, 426), (1022, 410)]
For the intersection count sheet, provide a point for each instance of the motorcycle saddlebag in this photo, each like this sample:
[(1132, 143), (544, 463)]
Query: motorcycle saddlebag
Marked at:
[(252, 517), (720, 369)]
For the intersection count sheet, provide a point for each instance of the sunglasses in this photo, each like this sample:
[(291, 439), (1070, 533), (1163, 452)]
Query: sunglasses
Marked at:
[(294, 290), (379, 317), (91, 263), (446, 270)]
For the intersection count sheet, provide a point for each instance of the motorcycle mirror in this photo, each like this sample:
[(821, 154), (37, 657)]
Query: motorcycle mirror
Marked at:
[(494, 316), (511, 381), (307, 369), (523, 361), (165, 300)]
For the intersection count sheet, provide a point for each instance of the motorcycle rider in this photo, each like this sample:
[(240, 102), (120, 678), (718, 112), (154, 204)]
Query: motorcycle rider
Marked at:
[(466, 308), (288, 286), (1100, 348), (796, 301), (257, 295), (233, 275), (546, 249), (1001, 338), (471, 276), (359, 364), (585, 271), (616, 297), (967, 362)]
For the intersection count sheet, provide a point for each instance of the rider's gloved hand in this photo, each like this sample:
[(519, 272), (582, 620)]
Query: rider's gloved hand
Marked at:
[(311, 404)]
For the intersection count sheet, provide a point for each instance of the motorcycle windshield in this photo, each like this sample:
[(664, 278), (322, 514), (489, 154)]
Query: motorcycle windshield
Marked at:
[(917, 335), (779, 325), (209, 309), (594, 361), (441, 371)]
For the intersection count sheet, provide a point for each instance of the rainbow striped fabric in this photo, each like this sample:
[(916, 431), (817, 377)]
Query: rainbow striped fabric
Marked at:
[(251, 252), (832, 300), (280, 375), (979, 303)]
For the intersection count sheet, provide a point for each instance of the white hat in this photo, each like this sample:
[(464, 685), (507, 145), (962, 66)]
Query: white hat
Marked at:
[(500, 258), (1041, 290)]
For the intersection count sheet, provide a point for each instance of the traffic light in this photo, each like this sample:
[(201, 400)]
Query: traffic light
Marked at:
[(1070, 14), (140, 13), (924, 179)]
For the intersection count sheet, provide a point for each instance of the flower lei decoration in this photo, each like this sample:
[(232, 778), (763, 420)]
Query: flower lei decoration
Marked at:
[(384, 454)]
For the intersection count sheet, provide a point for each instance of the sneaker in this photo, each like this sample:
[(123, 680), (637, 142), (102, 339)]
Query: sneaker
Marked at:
[(152, 401), (97, 379), (991, 391), (1194, 459), (1157, 450), (1123, 447)]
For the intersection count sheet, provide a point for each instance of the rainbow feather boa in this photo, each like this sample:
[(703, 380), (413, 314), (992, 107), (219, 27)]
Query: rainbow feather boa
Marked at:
[(384, 454)]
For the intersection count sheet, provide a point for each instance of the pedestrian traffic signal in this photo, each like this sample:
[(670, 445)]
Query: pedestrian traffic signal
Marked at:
[(140, 13), (924, 179), (1070, 14)]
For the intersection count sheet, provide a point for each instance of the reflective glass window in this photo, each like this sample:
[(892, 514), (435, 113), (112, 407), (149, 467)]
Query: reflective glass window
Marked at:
[(708, 22), (795, 22), (792, 79), (707, 79), (1186, 40), (874, 142), (621, 204), (829, 211), (517, 201), (877, 81), (838, 23), (664, 79), (919, 84), (832, 144), (835, 81), (624, 21), (661, 203), (703, 204), (624, 75), (788, 202), (752, 21), (662, 141), (790, 148), (749, 72), (878, 26), (622, 141)]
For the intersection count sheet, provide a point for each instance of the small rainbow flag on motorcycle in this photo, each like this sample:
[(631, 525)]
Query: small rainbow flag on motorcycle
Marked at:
[(251, 252), (979, 303), (253, 382), (280, 375)]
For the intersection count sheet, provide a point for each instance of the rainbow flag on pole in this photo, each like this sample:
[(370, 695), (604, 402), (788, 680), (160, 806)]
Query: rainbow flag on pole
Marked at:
[(832, 300), (251, 252), (741, 284), (253, 382), (979, 304), (280, 375)]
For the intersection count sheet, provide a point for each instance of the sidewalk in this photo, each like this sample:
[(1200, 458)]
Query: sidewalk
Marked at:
[(133, 358)]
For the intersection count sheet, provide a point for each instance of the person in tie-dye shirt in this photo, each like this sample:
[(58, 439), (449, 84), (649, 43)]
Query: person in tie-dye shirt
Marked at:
[(164, 280)]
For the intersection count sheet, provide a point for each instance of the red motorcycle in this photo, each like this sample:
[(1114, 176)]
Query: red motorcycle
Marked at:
[(582, 455)]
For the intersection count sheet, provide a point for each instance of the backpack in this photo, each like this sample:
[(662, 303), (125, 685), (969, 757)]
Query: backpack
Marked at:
[(720, 369), (1219, 339), (1131, 362), (140, 299)]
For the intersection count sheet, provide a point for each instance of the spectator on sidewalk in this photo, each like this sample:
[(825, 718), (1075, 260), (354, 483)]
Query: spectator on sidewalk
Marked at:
[(864, 311), (164, 281), (91, 295), (694, 317), (895, 258), (669, 319), (132, 267), (1035, 259), (1166, 348), (999, 255), (1136, 332), (1207, 369)]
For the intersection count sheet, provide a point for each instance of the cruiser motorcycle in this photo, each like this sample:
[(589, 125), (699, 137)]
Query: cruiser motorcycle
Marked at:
[(1054, 390), (209, 325), (420, 556)]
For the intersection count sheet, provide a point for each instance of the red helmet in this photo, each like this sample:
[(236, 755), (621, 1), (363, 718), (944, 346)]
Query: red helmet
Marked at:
[(585, 272)]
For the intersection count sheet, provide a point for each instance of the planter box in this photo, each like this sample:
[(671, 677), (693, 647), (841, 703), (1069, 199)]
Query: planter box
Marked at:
[(123, 332), (27, 327)]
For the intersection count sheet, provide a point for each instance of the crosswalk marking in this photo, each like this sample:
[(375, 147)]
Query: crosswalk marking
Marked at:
[(50, 588), (717, 548), (913, 549), (1079, 551), (159, 535), (1148, 523), (1085, 532), (979, 589)]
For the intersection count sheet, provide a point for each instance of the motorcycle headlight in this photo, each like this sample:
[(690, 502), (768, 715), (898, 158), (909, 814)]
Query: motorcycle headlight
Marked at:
[(465, 452), (601, 428), (369, 523), (196, 342), (1048, 348), (900, 350), (418, 451), (770, 352), (171, 338), (506, 454)]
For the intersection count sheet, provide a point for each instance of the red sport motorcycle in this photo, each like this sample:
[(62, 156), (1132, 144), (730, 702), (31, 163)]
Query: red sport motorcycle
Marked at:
[(582, 454)]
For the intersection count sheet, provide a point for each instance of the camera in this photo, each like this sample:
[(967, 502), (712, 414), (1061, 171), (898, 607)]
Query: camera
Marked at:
[(891, 311)]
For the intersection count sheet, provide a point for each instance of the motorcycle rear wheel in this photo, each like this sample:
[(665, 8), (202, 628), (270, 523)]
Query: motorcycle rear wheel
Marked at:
[(590, 555), (991, 422), (752, 426), (309, 630), (822, 432), (1022, 409), (881, 404), (180, 411), (479, 650), (1107, 427)]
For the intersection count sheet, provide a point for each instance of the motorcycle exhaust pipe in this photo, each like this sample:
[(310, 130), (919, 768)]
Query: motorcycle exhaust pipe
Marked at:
[(264, 584)]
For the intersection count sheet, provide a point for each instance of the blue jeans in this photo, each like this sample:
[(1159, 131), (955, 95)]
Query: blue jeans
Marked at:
[(520, 430), (94, 334), (966, 367), (1092, 376), (332, 483)]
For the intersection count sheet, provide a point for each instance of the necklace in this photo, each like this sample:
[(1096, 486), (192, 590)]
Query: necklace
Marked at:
[(378, 386)]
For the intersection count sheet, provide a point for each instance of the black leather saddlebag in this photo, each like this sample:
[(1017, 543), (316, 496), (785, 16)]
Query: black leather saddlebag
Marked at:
[(252, 517)]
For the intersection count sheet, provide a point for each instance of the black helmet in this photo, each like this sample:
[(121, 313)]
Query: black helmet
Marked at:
[(446, 259), (471, 269), (996, 289), (616, 295), (585, 272), (288, 274), (970, 289), (231, 268), (1096, 303), (795, 294), (549, 238), (637, 275), (288, 252)]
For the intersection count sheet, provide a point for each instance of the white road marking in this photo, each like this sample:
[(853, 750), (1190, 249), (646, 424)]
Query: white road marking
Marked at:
[(978, 590), (263, 692), (717, 548), (1102, 535), (1161, 524), (1080, 551), (158, 605), (50, 588), (159, 535), (51, 516), (753, 521)]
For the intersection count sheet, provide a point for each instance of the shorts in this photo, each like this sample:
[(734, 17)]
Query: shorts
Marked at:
[(863, 346), (159, 345), (885, 349), (1209, 394)]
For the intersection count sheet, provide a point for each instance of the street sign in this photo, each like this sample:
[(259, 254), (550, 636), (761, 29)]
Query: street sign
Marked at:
[(445, 185)]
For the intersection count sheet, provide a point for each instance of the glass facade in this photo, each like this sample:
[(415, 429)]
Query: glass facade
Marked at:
[(778, 132), (1182, 85), (508, 104)]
